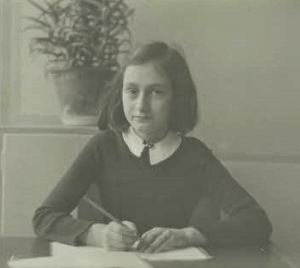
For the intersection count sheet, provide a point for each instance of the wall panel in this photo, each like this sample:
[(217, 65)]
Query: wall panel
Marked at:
[(31, 166)]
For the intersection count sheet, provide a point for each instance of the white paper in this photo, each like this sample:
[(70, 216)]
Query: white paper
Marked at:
[(190, 253), (94, 257), (43, 262), (112, 259), (93, 253)]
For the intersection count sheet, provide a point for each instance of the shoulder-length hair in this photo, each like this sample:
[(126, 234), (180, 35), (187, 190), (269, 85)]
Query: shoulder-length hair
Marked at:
[(184, 104)]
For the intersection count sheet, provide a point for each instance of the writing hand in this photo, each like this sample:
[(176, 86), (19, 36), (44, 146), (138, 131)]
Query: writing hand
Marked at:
[(119, 237), (112, 236)]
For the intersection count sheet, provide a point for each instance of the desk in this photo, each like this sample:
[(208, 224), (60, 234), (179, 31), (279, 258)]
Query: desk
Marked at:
[(223, 258)]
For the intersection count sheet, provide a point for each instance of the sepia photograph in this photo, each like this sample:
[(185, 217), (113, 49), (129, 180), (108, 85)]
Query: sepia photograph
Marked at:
[(149, 133)]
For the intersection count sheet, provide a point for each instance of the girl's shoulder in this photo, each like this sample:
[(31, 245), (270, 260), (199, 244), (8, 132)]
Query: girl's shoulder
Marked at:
[(196, 146), (195, 142), (104, 137)]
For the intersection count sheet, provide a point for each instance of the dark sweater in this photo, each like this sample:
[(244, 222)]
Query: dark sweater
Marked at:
[(164, 194)]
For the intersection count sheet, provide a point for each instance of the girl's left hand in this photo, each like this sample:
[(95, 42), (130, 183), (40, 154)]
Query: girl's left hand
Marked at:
[(161, 239)]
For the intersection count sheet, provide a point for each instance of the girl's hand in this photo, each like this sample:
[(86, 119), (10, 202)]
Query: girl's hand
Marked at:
[(119, 237), (113, 236), (161, 239)]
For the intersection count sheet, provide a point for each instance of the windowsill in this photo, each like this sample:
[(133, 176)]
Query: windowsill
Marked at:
[(52, 129)]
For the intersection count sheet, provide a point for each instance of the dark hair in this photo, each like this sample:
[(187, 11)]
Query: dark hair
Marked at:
[(184, 105)]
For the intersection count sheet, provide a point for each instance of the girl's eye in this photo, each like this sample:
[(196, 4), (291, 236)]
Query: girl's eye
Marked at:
[(157, 92), (132, 90)]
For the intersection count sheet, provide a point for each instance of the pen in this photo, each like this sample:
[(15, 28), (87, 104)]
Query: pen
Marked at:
[(102, 210)]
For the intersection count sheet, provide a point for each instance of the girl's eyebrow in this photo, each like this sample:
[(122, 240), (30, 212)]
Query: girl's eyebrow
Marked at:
[(130, 84), (157, 85), (150, 85)]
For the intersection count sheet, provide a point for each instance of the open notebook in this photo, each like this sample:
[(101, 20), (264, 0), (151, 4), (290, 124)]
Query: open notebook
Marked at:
[(64, 256)]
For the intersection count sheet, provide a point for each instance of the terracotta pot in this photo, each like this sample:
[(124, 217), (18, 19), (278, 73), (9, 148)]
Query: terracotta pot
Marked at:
[(79, 91)]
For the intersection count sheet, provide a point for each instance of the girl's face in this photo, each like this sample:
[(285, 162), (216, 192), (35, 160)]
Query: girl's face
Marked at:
[(147, 96)]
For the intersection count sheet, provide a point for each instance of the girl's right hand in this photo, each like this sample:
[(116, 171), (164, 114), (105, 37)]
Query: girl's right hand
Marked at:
[(114, 236)]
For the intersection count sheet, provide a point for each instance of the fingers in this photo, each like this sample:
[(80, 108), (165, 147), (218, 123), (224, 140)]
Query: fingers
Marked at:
[(147, 238), (155, 240), (160, 242), (117, 237), (132, 228), (120, 236), (122, 230)]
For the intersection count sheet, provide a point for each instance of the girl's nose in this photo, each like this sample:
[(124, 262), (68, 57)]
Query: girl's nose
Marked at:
[(142, 103)]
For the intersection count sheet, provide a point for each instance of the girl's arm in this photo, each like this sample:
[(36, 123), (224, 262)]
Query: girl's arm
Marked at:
[(246, 224), (52, 220)]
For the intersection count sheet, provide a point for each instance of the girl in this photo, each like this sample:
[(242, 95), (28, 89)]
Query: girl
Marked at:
[(148, 173)]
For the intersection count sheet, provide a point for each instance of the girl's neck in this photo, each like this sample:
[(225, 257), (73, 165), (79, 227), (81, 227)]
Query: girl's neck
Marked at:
[(151, 138)]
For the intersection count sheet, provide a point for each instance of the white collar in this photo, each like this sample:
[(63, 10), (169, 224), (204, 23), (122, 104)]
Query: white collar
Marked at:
[(161, 149)]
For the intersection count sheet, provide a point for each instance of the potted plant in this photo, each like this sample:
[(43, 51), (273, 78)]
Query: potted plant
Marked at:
[(83, 41)]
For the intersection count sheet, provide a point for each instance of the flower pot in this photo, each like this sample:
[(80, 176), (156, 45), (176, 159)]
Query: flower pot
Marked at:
[(79, 91)]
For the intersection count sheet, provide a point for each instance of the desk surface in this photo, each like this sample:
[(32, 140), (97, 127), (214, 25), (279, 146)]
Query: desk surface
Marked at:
[(223, 258)]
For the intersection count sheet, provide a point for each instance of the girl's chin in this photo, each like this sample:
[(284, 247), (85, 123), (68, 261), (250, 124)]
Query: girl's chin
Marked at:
[(143, 129)]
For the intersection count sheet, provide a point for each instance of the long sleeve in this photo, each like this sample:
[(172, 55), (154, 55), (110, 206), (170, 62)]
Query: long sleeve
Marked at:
[(246, 224), (52, 220)]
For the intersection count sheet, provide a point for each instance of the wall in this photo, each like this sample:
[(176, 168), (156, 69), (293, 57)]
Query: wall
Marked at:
[(32, 164)]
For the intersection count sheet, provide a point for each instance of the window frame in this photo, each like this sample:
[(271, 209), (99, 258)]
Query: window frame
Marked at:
[(4, 59), (10, 73)]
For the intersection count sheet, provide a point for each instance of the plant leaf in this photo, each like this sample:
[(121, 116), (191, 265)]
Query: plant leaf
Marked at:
[(34, 27), (96, 3), (81, 32), (41, 8), (52, 4), (42, 40), (39, 22)]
